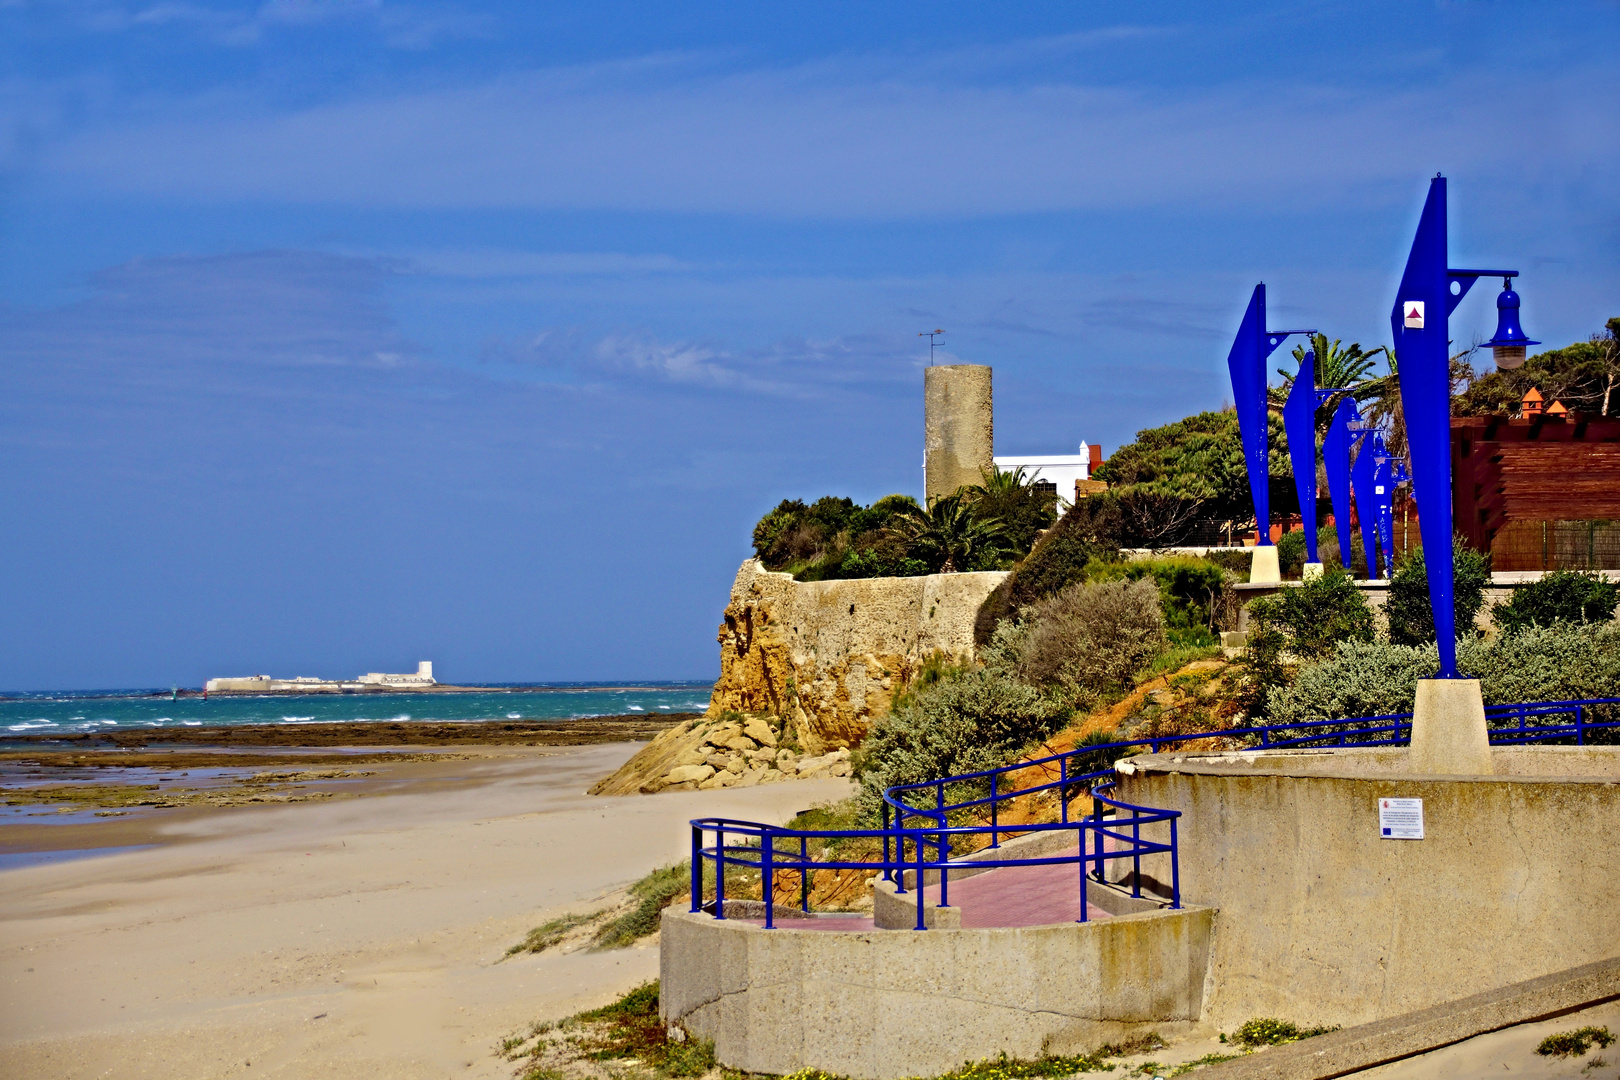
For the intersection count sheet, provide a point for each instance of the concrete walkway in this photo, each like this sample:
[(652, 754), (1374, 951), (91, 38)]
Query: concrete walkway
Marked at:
[(1007, 896)]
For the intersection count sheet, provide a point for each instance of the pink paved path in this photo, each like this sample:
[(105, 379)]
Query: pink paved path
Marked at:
[(1006, 896)]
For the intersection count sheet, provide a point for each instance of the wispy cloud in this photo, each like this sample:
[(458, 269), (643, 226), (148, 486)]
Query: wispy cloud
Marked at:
[(396, 25), (855, 137)]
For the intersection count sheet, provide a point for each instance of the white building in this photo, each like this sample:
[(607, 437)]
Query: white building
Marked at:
[(423, 677), (1063, 471), (375, 680)]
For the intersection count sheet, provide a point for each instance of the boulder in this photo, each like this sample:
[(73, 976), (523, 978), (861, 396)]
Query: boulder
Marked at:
[(693, 774), (740, 743), (736, 764), (757, 729)]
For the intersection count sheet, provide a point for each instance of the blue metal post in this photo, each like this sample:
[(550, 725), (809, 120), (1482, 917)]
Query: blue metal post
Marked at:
[(888, 869), (804, 871), (1419, 321), (1175, 868), (697, 868), (1136, 856), (1299, 421), (944, 848), (917, 884), (767, 846), (719, 871), (1361, 475), (1336, 447), (995, 836)]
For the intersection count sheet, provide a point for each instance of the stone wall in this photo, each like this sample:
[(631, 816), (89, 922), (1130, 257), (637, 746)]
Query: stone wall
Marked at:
[(828, 657)]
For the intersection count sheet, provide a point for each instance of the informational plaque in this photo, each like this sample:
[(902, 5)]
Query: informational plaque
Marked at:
[(1400, 819)]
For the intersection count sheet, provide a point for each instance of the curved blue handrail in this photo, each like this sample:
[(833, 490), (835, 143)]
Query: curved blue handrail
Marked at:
[(1100, 837)]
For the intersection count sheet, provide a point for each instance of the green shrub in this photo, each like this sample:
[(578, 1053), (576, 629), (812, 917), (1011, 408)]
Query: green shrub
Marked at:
[(1267, 1031), (1575, 1043), (1089, 639), (975, 720), (1315, 616), (1291, 554), (1567, 596), (1190, 591), (653, 894), (1558, 663), (1411, 621)]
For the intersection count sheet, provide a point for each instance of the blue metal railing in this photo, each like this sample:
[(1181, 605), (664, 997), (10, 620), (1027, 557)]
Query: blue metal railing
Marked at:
[(920, 817)]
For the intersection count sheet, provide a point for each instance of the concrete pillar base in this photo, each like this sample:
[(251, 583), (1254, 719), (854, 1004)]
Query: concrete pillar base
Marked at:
[(1448, 730), (1312, 571), (1263, 569)]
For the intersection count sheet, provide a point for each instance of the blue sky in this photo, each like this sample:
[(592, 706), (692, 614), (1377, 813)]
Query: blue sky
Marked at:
[(335, 336)]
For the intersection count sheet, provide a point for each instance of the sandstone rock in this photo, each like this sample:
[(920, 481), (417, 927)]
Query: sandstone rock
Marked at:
[(740, 742), (719, 780), (758, 730), (841, 768), (786, 758), (841, 754), (693, 756), (754, 776), (654, 760), (736, 764), (810, 765), (764, 755), (696, 774), (690, 785)]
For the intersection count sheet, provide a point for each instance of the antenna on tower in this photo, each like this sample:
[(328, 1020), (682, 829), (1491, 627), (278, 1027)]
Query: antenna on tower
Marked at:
[(932, 344)]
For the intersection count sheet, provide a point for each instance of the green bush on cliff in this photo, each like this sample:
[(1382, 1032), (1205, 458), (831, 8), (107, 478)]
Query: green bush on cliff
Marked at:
[(1086, 640)]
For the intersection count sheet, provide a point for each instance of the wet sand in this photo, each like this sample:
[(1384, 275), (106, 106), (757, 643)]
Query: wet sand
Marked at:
[(354, 937)]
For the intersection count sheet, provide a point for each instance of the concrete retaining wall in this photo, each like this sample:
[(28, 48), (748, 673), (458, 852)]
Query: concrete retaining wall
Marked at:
[(889, 1003), (1324, 922)]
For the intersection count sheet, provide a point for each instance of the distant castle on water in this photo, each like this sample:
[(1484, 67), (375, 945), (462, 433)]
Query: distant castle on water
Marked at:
[(372, 681)]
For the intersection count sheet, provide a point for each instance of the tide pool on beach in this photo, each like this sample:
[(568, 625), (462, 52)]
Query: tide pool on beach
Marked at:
[(80, 711)]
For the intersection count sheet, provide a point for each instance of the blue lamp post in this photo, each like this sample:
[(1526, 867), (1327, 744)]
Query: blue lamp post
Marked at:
[(1337, 445), (1247, 364), (1299, 421), (1363, 475), (1428, 294)]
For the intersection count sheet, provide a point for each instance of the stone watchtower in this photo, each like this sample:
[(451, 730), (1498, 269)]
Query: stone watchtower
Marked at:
[(958, 428)]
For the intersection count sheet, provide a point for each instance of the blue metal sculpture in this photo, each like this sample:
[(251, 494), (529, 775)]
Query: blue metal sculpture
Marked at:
[(1428, 294), (1299, 421), (1247, 364), (1362, 475), (1336, 447), (1390, 472)]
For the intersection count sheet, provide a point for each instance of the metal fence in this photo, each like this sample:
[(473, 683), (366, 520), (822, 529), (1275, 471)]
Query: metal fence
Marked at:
[(1557, 545), (923, 823)]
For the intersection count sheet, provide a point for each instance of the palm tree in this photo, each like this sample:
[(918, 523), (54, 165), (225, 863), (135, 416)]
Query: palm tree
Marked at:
[(1346, 370), (947, 534), (999, 481)]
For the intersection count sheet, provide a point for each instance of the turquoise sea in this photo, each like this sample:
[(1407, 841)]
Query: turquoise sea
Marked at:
[(76, 711)]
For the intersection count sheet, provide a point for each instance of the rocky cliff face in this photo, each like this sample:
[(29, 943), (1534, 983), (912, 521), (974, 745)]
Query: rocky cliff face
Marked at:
[(828, 657), (817, 662)]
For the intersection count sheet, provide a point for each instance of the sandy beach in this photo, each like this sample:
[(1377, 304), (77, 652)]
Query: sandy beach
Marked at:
[(353, 937)]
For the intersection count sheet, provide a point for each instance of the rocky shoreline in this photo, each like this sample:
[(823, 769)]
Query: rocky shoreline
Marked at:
[(635, 727), (730, 750)]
